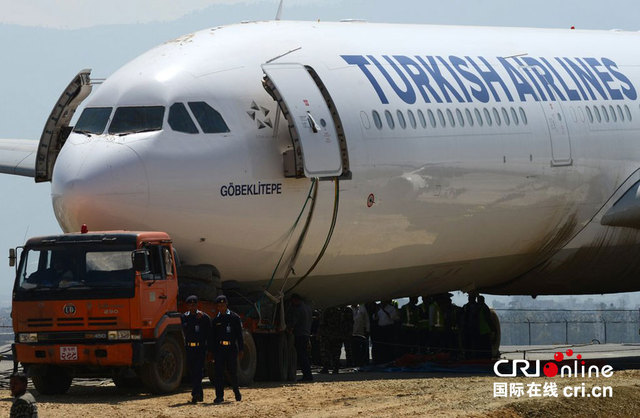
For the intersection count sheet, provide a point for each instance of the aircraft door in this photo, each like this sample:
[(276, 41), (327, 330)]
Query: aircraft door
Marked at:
[(316, 131), (558, 134)]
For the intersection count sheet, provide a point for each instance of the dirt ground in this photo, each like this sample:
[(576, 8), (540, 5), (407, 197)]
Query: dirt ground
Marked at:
[(352, 394)]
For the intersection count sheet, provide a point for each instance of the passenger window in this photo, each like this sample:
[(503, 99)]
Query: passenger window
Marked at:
[(605, 114), (376, 119), (412, 119), (93, 120), (597, 112), (401, 120), (487, 116), (505, 116), (620, 114), (443, 123), (523, 116), (390, 121), (589, 113), (469, 117), (460, 118), (452, 121), (432, 119), (514, 116), (130, 119), (613, 113), (180, 121), (478, 117), (210, 120), (496, 116), (423, 121)]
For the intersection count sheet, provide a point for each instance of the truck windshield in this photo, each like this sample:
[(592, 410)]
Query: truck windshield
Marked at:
[(45, 273)]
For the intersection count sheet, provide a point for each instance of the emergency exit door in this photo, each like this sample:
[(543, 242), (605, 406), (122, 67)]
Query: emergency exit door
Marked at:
[(318, 144), (558, 134)]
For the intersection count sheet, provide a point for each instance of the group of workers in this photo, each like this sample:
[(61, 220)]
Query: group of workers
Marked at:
[(434, 326)]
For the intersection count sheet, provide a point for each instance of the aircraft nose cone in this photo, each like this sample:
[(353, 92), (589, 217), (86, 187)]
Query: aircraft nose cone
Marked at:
[(99, 183)]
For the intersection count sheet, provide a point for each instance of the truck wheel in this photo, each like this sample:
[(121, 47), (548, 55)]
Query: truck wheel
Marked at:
[(495, 336), (164, 373), (293, 358), (51, 381), (278, 352), (247, 364)]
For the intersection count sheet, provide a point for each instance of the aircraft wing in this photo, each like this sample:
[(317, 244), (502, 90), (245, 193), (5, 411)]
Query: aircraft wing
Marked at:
[(18, 157)]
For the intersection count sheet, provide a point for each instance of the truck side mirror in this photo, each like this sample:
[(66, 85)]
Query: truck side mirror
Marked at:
[(12, 257), (139, 258)]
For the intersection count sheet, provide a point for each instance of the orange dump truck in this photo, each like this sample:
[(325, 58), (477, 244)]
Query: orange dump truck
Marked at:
[(100, 304)]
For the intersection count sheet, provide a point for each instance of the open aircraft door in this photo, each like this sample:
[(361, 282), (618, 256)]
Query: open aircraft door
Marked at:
[(319, 144), (57, 129), (558, 133)]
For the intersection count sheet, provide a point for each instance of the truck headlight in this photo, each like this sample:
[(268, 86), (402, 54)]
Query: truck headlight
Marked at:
[(124, 334), (28, 337), (112, 335)]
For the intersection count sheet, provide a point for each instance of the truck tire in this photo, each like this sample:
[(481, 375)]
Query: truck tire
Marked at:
[(262, 368), (278, 352), (51, 381), (204, 291), (247, 364), (163, 374), (202, 272), (496, 335), (293, 358)]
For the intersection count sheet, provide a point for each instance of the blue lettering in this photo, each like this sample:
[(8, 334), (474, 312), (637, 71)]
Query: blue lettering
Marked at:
[(571, 93), (522, 86), (442, 82), (545, 77), (446, 65), (587, 77), (490, 76), (629, 90), (408, 96), (480, 92), (419, 77), (362, 63), (604, 77), (573, 77)]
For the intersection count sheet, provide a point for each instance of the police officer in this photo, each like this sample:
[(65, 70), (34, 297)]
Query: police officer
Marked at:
[(227, 345), (24, 405), (196, 326)]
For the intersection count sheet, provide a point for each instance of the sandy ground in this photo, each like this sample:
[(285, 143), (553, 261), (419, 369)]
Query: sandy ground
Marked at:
[(352, 394)]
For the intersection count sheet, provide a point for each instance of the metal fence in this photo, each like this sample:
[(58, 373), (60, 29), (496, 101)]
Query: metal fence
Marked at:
[(566, 326)]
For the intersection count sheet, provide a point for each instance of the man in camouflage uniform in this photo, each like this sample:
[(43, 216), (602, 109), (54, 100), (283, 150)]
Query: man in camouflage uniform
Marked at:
[(24, 405), (330, 334)]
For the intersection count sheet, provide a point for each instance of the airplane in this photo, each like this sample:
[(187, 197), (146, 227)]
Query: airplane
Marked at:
[(353, 161)]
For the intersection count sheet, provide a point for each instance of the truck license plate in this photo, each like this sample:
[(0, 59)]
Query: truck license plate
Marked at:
[(68, 353)]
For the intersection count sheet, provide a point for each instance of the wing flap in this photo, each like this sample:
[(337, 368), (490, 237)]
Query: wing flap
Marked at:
[(18, 157)]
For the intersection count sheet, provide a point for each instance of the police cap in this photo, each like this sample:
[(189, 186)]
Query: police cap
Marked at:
[(192, 298), (221, 298)]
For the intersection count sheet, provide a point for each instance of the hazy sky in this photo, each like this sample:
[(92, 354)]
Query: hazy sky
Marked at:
[(44, 43)]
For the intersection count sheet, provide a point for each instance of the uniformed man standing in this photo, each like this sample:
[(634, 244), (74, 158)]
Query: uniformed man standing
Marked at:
[(24, 405), (196, 326), (227, 345)]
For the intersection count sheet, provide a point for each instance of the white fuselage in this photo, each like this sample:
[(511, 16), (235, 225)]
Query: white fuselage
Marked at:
[(434, 204)]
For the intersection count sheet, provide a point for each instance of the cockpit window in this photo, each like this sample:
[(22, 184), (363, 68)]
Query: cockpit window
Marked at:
[(129, 120), (180, 121), (209, 119), (93, 120)]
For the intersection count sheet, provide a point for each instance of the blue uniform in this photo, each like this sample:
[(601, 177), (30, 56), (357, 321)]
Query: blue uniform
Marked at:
[(225, 344), (197, 334)]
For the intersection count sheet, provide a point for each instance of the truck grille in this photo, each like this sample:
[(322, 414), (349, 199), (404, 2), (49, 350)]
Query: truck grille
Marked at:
[(39, 322), (69, 322), (97, 321)]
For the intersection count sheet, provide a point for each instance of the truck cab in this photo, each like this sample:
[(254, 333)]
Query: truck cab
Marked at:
[(101, 304)]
